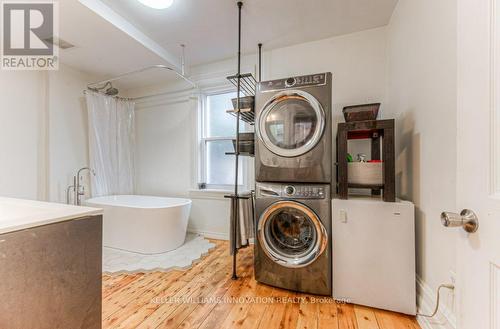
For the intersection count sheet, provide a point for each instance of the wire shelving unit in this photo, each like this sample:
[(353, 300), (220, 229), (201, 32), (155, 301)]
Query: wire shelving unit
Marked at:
[(245, 84)]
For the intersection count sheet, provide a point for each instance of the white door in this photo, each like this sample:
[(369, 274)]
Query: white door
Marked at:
[(478, 270)]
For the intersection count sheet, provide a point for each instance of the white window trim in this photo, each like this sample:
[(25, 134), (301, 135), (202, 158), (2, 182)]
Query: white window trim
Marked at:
[(214, 189)]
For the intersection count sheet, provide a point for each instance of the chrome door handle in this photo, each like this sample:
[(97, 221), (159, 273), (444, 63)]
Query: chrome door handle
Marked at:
[(467, 219)]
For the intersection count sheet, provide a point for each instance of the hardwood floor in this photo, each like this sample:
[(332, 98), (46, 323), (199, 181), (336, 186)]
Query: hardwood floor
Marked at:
[(194, 298)]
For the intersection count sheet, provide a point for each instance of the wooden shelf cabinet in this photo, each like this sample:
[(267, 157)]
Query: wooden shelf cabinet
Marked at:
[(381, 134)]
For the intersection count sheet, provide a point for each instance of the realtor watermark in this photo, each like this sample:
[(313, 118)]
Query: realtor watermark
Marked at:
[(28, 31), (248, 300)]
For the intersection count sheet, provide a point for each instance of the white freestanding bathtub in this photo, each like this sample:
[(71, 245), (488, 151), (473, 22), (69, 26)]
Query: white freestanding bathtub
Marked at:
[(143, 224)]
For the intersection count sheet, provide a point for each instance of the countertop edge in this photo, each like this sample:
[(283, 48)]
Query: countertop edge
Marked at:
[(48, 221)]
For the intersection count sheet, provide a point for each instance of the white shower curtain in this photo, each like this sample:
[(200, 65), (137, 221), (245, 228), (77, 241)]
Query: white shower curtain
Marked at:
[(111, 144)]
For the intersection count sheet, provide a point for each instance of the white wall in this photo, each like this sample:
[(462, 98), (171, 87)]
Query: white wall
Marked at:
[(422, 95), (42, 132), (68, 130), (166, 139), (165, 142), (22, 107)]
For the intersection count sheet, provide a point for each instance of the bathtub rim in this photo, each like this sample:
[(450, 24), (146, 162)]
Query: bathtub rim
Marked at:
[(181, 202)]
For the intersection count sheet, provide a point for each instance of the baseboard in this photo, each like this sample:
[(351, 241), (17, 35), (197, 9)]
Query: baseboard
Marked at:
[(426, 299), (210, 235)]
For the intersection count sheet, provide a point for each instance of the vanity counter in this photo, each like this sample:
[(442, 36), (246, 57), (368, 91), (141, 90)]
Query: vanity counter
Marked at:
[(20, 214), (50, 265)]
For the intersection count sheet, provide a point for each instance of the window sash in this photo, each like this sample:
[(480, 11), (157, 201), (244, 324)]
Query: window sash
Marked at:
[(204, 165), (203, 146), (204, 114)]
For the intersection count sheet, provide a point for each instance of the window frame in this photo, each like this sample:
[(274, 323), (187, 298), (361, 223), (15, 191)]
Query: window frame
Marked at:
[(203, 141)]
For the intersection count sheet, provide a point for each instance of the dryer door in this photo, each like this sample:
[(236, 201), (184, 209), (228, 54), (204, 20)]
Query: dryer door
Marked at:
[(291, 123), (291, 234)]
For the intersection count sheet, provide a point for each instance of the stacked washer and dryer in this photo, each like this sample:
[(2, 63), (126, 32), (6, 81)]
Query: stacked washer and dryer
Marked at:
[(293, 208), (293, 162)]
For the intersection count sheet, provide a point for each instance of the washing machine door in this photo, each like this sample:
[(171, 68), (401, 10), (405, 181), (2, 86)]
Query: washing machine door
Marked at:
[(291, 234), (291, 123)]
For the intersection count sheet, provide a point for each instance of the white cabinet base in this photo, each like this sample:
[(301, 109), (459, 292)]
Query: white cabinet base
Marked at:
[(374, 253)]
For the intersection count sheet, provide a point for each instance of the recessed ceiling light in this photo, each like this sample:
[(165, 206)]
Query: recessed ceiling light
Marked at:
[(157, 4)]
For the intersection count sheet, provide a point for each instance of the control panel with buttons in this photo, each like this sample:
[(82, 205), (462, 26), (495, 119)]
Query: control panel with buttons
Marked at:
[(294, 82), (303, 191), (291, 191)]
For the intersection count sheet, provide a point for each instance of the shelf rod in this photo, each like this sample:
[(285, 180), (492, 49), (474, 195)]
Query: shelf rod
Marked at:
[(241, 110), (260, 62), (236, 201)]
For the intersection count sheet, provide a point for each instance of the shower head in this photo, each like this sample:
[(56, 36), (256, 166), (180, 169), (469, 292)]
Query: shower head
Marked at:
[(107, 89), (111, 91)]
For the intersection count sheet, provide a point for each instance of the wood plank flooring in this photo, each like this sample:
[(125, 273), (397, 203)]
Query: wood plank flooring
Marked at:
[(205, 297)]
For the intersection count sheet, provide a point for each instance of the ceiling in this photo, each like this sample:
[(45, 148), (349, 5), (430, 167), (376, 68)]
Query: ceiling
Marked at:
[(100, 48), (106, 46), (208, 28)]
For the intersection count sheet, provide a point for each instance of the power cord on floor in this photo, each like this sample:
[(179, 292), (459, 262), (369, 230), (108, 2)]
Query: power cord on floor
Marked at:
[(447, 286)]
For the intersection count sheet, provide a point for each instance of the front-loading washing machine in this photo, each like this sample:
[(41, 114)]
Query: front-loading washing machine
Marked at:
[(293, 248), (294, 130)]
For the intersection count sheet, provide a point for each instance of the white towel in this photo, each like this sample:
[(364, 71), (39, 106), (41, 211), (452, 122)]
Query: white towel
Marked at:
[(246, 228)]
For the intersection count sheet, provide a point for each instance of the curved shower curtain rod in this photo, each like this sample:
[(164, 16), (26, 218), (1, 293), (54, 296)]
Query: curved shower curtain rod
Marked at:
[(147, 68)]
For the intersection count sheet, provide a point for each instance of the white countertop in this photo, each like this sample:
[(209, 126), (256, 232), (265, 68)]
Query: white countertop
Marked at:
[(20, 214)]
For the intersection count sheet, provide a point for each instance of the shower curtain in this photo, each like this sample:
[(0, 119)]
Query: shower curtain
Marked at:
[(111, 144)]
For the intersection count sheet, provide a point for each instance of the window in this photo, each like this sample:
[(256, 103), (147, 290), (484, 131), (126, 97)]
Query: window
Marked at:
[(217, 133)]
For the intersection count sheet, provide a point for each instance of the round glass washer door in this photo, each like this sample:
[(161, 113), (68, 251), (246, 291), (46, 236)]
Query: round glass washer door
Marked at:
[(291, 234), (291, 123)]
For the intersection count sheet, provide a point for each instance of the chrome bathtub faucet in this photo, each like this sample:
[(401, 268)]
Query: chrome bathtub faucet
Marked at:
[(79, 189)]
